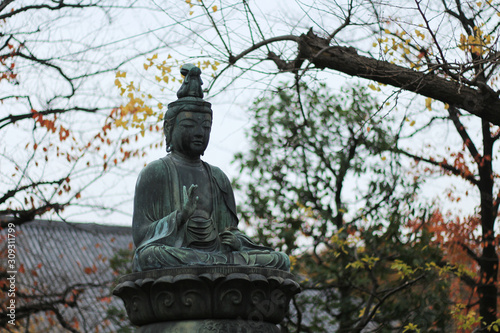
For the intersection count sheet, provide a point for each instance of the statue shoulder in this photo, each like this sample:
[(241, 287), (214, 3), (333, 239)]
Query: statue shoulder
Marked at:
[(154, 172), (218, 174)]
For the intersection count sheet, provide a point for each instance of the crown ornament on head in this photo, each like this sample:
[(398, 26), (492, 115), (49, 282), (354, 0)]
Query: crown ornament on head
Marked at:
[(190, 94)]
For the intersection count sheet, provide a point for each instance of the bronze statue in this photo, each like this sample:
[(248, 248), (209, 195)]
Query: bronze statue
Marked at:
[(184, 208)]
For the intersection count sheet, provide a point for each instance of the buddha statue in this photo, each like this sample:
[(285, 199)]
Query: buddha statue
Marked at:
[(184, 208)]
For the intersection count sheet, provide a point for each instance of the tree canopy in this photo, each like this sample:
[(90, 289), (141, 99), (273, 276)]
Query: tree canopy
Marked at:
[(334, 196), (59, 60)]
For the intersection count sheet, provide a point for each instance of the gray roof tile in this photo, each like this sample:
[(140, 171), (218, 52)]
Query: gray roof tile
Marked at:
[(52, 256)]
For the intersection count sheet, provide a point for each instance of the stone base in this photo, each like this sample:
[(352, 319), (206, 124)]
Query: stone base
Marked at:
[(229, 298), (209, 326)]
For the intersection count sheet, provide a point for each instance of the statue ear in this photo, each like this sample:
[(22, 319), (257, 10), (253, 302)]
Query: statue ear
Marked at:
[(167, 131), (168, 136)]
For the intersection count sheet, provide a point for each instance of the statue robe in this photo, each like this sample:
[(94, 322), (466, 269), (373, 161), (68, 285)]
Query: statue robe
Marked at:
[(160, 243)]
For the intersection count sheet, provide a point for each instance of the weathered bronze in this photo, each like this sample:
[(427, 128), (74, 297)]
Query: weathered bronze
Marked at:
[(184, 208), (194, 270), (200, 299)]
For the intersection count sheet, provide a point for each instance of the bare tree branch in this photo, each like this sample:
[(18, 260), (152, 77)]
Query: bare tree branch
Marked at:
[(61, 5), (445, 166), (11, 119)]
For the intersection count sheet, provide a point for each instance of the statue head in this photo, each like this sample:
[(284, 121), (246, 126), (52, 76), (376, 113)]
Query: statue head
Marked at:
[(190, 109)]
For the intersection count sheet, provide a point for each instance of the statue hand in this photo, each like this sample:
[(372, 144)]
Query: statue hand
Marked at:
[(230, 239), (190, 203)]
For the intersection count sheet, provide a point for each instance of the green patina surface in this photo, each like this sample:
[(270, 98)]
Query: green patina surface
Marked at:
[(184, 208)]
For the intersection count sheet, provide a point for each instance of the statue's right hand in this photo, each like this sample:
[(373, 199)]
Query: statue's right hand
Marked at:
[(190, 203)]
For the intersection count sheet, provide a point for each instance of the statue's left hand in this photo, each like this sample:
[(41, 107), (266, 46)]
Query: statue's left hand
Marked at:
[(230, 239)]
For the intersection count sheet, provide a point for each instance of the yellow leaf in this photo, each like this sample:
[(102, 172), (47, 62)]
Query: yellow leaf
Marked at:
[(446, 106), (419, 34), (190, 13), (428, 103), (412, 123), (214, 8), (121, 74), (383, 158), (387, 31), (146, 67), (374, 44), (118, 83)]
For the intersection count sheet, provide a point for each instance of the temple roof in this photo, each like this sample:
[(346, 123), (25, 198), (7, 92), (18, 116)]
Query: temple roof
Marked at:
[(58, 262)]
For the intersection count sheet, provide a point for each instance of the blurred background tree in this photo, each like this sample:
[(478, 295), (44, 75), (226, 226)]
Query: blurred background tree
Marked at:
[(325, 184)]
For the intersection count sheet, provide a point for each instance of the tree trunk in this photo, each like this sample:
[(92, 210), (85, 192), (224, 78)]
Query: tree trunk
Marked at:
[(487, 288)]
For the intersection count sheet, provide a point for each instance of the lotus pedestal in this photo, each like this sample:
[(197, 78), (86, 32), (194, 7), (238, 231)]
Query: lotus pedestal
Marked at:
[(211, 299)]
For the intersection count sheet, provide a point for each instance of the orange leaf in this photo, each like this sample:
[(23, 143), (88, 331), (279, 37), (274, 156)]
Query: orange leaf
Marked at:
[(75, 324), (105, 299)]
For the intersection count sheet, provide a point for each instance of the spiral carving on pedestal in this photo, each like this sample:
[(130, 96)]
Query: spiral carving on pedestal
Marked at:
[(213, 292), (235, 296), (165, 298)]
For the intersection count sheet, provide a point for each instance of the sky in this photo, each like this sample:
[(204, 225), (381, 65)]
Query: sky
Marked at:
[(112, 35)]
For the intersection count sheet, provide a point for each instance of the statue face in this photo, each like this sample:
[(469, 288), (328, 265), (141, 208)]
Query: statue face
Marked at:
[(191, 133)]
